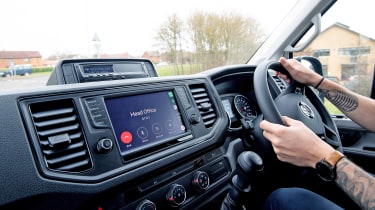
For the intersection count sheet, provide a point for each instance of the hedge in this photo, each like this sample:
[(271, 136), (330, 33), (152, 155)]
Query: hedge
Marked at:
[(42, 69)]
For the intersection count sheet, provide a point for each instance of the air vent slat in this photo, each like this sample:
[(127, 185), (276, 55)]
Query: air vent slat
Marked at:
[(209, 123), (201, 95), (77, 135), (204, 104), (55, 122), (60, 134), (58, 130), (197, 89), (52, 113), (200, 101), (67, 157), (76, 166), (209, 116)]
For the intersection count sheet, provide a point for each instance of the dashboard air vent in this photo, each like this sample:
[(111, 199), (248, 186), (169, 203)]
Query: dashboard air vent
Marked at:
[(204, 104), (61, 139), (280, 83)]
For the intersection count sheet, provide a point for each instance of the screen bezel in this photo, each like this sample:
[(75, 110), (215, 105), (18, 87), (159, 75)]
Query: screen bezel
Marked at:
[(150, 147)]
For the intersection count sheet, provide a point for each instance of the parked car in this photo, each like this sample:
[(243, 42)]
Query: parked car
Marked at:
[(22, 70), (108, 132)]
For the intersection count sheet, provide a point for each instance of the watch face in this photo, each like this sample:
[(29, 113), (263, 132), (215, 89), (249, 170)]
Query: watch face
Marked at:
[(325, 171)]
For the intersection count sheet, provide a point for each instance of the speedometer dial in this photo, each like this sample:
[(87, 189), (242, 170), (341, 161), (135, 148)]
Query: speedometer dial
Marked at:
[(244, 107)]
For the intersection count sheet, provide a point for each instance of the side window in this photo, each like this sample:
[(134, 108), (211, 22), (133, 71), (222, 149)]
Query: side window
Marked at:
[(346, 51)]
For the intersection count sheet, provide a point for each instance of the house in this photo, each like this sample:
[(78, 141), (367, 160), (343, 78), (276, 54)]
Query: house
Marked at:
[(343, 52), (8, 58), (50, 63), (154, 56), (119, 55)]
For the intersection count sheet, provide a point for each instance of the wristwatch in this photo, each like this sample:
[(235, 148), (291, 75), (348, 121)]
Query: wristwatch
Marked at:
[(326, 168)]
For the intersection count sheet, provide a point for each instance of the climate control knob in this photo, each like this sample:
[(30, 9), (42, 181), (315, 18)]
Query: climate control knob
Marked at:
[(146, 205), (176, 195), (201, 180)]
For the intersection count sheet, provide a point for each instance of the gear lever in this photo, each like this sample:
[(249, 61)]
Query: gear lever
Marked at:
[(248, 164)]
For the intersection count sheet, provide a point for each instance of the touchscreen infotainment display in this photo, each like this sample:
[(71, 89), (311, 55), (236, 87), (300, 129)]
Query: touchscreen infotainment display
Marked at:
[(141, 121)]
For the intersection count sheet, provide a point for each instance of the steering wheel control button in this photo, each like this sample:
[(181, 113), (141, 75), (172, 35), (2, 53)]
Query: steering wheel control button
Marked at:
[(201, 181), (104, 145), (176, 195), (146, 205)]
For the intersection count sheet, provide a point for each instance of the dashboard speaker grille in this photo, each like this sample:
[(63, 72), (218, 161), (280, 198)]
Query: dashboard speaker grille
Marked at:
[(61, 139), (204, 104)]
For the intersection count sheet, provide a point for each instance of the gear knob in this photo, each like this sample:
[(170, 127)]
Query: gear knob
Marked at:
[(248, 164)]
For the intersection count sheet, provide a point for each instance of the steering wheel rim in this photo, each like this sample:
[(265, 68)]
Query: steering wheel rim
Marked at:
[(298, 101)]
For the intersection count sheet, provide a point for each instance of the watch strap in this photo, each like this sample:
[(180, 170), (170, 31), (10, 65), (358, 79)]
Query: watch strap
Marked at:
[(334, 157)]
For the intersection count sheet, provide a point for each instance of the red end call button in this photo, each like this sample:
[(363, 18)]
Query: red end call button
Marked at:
[(126, 137)]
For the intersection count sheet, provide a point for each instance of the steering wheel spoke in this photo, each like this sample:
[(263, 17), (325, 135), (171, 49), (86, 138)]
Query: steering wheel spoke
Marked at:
[(331, 137), (297, 101)]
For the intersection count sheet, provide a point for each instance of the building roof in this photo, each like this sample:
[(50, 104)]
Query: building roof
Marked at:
[(346, 27), (19, 54), (49, 62), (152, 53), (120, 55)]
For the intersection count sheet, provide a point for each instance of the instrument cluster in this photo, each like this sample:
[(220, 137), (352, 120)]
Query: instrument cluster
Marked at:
[(237, 107)]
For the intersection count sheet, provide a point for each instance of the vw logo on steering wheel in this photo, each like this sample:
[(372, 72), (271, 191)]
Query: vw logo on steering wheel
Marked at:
[(306, 110)]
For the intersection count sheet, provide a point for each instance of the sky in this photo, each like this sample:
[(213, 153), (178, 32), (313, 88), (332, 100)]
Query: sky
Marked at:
[(68, 26), (357, 14)]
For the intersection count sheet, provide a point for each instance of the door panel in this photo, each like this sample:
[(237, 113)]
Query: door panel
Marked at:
[(358, 143)]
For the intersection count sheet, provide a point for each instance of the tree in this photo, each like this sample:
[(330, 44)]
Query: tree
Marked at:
[(215, 39), (170, 36), (223, 39), (196, 23)]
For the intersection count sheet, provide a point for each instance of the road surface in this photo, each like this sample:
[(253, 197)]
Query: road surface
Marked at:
[(22, 82)]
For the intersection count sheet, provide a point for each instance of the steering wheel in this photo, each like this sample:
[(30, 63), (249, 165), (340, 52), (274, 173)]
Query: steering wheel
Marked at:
[(298, 101)]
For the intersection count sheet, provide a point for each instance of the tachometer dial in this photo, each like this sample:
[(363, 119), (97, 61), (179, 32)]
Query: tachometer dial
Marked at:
[(244, 107)]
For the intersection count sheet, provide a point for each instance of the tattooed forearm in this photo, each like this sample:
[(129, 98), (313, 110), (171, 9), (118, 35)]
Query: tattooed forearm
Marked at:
[(344, 101), (356, 183)]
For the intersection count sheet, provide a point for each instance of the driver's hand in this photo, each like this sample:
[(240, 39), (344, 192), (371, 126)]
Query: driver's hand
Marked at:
[(299, 72), (295, 143)]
